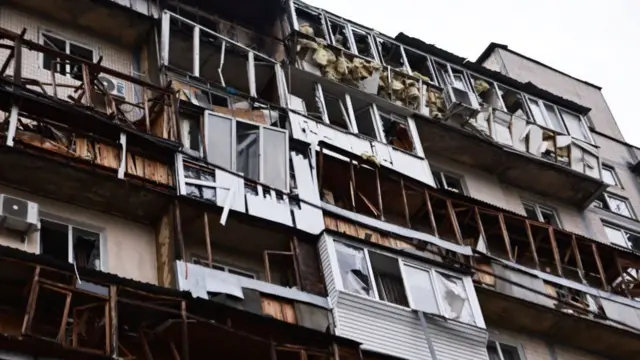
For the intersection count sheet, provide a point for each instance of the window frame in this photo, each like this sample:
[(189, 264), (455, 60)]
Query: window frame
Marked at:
[(607, 196), (614, 175), (623, 231), (442, 173), (499, 342), (70, 224), (538, 209), (45, 32), (261, 155), (478, 321), (201, 261)]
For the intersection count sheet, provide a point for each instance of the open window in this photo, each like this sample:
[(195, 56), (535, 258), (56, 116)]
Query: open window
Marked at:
[(65, 68), (70, 243), (257, 151), (336, 110), (393, 55), (364, 117), (487, 91), (363, 43), (514, 102)]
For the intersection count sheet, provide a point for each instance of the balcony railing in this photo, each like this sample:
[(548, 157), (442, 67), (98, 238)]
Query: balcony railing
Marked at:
[(361, 186)]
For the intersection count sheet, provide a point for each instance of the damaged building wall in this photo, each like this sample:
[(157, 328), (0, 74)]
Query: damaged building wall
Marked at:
[(526, 70), (127, 249), (113, 56), (486, 187)]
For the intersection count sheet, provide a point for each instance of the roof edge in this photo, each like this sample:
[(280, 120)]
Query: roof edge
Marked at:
[(494, 46)]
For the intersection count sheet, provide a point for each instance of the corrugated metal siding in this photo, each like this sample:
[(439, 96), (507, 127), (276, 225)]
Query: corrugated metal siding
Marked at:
[(455, 341), (396, 331), (332, 291), (381, 327)]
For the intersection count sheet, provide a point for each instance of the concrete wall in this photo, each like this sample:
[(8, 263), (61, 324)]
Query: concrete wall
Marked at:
[(525, 70), (128, 248), (534, 348), (114, 56)]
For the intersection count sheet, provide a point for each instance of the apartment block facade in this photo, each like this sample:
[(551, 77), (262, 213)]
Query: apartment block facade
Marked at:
[(185, 179)]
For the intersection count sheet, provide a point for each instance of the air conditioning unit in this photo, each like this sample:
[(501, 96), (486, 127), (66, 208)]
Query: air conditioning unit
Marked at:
[(114, 87), (461, 102), (18, 214)]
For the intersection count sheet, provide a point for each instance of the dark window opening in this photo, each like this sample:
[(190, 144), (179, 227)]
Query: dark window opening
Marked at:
[(54, 240), (396, 131)]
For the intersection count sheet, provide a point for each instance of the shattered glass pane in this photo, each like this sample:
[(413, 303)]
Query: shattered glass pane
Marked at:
[(353, 270), (455, 302)]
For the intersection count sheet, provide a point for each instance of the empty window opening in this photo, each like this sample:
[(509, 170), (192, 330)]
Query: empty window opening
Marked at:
[(609, 176), (364, 117), (501, 351), (363, 43), (614, 204), (248, 150), (542, 214), (487, 92), (391, 54), (513, 102), (310, 23), (73, 70), (340, 35), (420, 64), (447, 181), (336, 110), (69, 243), (396, 131), (388, 278), (191, 132)]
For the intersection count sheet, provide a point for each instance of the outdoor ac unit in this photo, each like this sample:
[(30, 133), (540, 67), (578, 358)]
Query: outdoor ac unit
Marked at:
[(114, 87), (18, 214), (461, 102)]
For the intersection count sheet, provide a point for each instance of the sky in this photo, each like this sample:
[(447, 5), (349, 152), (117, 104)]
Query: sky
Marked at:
[(596, 41)]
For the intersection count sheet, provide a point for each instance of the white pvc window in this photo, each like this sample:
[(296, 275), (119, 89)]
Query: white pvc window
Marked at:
[(74, 244), (623, 237), (390, 279), (257, 151), (609, 176)]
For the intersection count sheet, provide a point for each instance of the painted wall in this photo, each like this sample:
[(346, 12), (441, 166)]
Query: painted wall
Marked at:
[(128, 248)]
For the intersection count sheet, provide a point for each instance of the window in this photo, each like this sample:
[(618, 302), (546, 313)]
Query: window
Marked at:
[(191, 136), (387, 278), (447, 181), (396, 132), (50, 62), (257, 151), (622, 237), (615, 204), (609, 176), (576, 125), (542, 214), (69, 243), (546, 115), (501, 351)]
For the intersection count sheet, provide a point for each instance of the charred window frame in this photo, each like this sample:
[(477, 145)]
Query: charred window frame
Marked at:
[(84, 245)]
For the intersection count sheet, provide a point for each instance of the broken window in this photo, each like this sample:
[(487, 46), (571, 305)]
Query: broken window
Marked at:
[(336, 110), (364, 117), (454, 299), (340, 34), (420, 64), (514, 102), (69, 243), (363, 43), (615, 204), (396, 131), (196, 179), (447, 181), (392, 54), (541, 213), (50, 62), (487, 91), (622, 237), (191, 133), (257, 151), (353, 269), (501, 351), (311, 23)]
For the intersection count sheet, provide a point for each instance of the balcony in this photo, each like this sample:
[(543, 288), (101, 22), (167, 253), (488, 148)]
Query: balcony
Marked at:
[(124, 22), (251, 264), (519, 153), (83, 139)]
